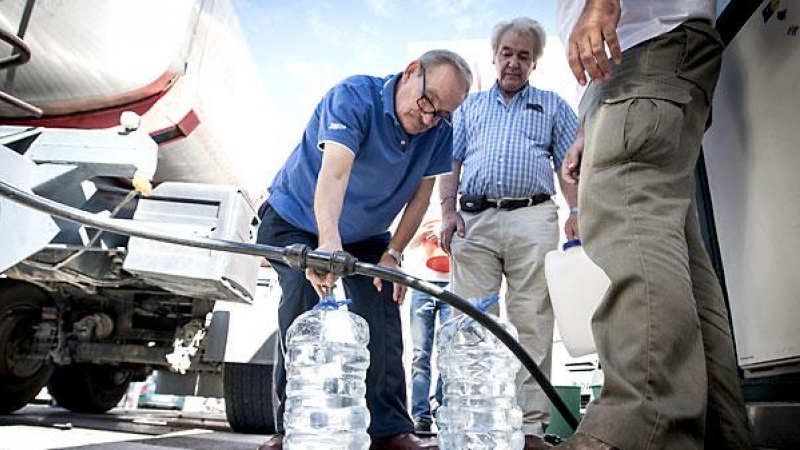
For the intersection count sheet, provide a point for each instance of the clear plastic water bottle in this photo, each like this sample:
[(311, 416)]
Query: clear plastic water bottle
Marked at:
[(479, 408), (326, 367)]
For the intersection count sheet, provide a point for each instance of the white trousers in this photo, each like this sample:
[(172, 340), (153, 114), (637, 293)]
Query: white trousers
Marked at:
[(512, 244)]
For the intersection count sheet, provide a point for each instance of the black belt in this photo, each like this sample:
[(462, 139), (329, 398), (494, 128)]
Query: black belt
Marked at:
[(478, 203)]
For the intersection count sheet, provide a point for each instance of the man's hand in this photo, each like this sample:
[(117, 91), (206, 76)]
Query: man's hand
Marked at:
[(452, 222), (571, 227), (571, 167), (399, 293), (595, 28), (429, 230), (319, 280)]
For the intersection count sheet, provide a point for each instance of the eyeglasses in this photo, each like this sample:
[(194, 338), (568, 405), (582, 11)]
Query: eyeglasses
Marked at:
[(426, 105)]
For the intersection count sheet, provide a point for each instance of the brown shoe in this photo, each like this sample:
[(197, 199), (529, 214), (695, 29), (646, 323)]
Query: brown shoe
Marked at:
[(274, 443), (401, 442), (533, 442), (580, 441)]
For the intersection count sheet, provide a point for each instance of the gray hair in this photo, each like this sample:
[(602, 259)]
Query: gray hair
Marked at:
[(523, 25), (434, 58)]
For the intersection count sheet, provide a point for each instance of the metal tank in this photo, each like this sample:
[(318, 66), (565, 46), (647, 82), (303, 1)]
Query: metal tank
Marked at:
[(182, 65), (90, 312)]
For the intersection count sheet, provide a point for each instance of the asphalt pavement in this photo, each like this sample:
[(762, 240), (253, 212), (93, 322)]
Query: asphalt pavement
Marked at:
[(42, 427)]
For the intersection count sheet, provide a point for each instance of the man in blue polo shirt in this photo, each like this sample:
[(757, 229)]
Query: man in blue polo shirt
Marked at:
[(508, 140), (372, 148)]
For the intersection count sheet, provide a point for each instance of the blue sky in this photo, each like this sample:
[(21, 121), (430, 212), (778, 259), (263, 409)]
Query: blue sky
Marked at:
[(364, 36), (303, 47)]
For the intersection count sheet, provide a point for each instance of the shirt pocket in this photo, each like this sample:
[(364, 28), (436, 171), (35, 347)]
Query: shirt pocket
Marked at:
[(535, 130)]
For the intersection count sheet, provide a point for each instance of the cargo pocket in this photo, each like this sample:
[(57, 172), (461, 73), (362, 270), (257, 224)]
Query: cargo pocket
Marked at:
[(703, 57), (633, 123), (653, 130)]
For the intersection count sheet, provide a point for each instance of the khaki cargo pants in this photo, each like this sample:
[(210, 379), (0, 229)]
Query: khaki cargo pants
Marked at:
[(662, 332)]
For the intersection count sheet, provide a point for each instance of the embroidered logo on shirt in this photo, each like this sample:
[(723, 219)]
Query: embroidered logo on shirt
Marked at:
[(336, 126)]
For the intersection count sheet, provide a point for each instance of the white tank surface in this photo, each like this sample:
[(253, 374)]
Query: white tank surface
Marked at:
[(182, 65)]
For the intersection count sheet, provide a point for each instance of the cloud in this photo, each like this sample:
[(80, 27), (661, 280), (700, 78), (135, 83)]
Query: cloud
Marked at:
[(315, 80), (449, 8), (382, 8), (472, 18), (464, 24), (364, 45), (467, 17), (261, 17), (325, 29)]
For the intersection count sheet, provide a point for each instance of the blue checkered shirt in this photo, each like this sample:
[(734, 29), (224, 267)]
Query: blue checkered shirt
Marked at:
[(511, 151)]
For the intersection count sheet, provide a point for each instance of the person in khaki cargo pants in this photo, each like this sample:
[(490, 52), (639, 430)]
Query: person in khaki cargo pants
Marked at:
[(662, 332)]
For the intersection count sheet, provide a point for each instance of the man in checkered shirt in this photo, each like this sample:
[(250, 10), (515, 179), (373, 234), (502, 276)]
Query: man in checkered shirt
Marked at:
[(508, 144)]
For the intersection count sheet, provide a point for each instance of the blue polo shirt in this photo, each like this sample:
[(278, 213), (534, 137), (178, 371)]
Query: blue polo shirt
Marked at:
[(389, 164)]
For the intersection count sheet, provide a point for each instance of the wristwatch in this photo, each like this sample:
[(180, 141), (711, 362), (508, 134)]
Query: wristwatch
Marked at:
[(398, 256)]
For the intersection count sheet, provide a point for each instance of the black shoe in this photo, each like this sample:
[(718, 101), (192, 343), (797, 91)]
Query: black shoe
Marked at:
[(402, 442), (533, 442), (580, 441), (422, 425), (274, 443)]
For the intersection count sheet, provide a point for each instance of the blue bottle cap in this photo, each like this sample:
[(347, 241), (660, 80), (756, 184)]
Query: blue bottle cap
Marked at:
[(571, 243), (483, 304), (330, 302)]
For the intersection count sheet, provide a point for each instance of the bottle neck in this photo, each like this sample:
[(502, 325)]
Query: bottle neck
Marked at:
[(329, 302)]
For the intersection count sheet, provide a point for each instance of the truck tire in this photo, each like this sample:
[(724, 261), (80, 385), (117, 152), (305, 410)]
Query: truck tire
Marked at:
[(21, 377), (248, 397), (89, 388)]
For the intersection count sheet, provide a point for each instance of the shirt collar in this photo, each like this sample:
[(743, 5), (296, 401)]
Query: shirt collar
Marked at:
[(388, 105), (388, 96), (528, 92)]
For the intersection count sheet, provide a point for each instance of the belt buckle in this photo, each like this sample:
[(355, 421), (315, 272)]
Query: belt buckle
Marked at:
[(530, 201)]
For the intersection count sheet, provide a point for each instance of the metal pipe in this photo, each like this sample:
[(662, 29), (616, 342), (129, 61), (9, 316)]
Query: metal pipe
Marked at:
[(23, 28), (21, 104), (26, 18), (20, 54)]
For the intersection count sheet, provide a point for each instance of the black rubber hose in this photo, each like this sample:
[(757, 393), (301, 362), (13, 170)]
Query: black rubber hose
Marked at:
[(299, 256), (485, 320)]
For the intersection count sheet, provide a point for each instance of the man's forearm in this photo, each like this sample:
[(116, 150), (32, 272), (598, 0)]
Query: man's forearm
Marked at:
[(448, 188), (569, 191), (332, 181), (328, 201)]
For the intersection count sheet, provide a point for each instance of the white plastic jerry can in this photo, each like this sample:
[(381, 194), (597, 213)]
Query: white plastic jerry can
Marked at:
[(576, 285)]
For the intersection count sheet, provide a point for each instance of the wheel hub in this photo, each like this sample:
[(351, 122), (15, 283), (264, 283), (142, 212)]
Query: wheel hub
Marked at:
[(18, 358)]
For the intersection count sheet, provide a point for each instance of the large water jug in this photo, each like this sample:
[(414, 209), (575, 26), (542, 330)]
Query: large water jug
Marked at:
[(576, 285), (326, 367), (479, 408)]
